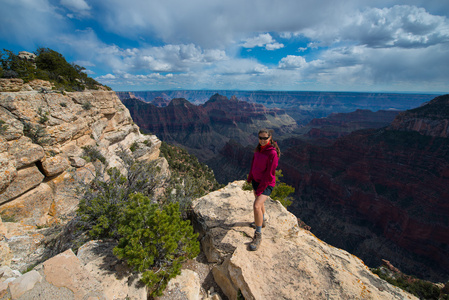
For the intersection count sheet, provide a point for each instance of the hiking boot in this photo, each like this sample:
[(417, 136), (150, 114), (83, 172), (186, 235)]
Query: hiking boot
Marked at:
[(253, 224), (254, 245)]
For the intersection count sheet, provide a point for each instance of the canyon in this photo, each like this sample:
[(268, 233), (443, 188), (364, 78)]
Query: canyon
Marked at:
[(372, 183), (43, 160), (303, 106), (205, 129), (381, 193), (57, 142), (222, 132)]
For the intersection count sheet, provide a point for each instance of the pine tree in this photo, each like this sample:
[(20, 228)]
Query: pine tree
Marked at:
[(105, 197), (155, 241), (282, 191)]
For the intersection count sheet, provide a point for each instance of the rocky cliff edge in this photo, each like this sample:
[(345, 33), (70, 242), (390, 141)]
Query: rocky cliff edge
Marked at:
[(42, 159), (42, 141), (291, 262)]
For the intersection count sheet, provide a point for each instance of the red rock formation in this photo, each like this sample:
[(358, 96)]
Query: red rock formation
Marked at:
[(322, 133), (205, 129), (339, 124), (428, 119), (236, 110), (160, 102), (380, 194), (302, 106)]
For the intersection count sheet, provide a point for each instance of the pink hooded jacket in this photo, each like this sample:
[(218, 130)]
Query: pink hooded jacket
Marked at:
[(263, 168)]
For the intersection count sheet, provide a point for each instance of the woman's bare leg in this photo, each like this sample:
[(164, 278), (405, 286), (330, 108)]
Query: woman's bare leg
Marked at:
[(259, 209)]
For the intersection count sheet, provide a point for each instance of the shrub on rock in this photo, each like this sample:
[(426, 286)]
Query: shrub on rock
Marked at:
[(155, 241)]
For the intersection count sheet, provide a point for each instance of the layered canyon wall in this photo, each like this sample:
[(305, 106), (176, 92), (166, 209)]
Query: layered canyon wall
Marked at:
[(43, 159), (381, 193)]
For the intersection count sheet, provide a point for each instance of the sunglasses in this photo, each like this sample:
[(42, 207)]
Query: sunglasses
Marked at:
[(264, 138)]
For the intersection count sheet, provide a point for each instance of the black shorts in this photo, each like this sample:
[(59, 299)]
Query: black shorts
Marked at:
[(266, 192)]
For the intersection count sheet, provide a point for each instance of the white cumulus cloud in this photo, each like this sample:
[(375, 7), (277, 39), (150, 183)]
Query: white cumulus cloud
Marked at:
[(263, 40), (176, 58), (258, 41), (107, 76), (402, 26), (274, 46), (292, 62)]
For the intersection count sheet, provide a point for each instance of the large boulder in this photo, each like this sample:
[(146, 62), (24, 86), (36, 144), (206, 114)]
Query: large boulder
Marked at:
[(66, 273), (116, 277), (95, 273), (27, 178), (55, 165), (25, 151), (291, 263)]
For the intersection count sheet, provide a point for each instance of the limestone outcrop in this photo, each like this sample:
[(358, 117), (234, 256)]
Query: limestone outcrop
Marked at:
[(93, 272), (291, 262), (44, 136), (42, 140)]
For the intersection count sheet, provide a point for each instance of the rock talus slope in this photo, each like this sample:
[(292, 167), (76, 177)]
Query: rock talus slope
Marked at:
[(291, 262)]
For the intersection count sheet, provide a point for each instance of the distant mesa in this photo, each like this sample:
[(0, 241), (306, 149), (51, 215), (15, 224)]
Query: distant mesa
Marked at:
[(204, 129), (340, 124), (160, 102), (430, 119), (302, 106)]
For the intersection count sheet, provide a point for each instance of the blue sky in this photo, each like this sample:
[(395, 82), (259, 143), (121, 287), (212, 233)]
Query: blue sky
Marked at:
[(320, 45)]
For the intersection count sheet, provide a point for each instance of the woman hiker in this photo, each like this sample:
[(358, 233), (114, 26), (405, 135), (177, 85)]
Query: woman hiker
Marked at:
[(262, 176)]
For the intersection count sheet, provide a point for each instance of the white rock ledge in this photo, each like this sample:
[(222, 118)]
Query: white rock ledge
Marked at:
[(291, 263)]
